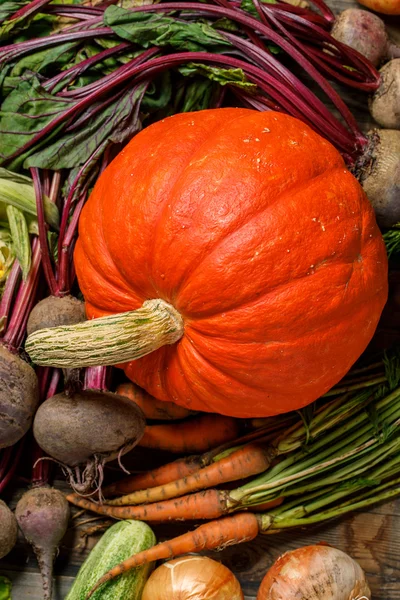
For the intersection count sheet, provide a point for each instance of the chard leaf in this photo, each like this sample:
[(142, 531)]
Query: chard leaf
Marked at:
[(198, 95), (43, 60), (18, 191), (9, 8), (220, 75), (25, 112), (89, 135), (149, 29), (20, 238)]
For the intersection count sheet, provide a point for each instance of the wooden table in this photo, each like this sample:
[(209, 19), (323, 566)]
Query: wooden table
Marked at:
[(373, 538)]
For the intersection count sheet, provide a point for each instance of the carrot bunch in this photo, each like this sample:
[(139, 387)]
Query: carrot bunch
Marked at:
[(342, 455)]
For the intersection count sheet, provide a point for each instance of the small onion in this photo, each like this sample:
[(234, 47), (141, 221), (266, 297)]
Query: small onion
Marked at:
[(316, 573), (192, 578)]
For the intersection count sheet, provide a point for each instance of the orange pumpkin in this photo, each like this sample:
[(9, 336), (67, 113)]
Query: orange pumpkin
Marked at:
[(252, 227)]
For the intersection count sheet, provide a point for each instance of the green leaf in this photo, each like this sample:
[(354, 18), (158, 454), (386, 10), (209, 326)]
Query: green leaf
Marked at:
[(25, 112), (5, 588), (9, 8), (20, 238), (18, 191), (235, 77), (53, 59), (114, 123), (147, 29)]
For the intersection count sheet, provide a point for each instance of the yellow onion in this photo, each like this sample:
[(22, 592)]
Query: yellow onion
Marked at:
[(192, 578), (316, 573)]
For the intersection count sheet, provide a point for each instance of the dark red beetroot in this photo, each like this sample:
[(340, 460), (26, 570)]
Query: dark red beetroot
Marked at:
[(54, 311), (19, 397), (385, 103), (8, 529), (42, 515), (378, 171), (85, 429), (366, 33)]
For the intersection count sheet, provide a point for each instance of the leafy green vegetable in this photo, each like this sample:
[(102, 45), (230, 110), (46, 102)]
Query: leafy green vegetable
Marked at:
[(7, 257), (25, 112), (56, 57), (149, 29), (9, 8), (115, 122), (220, 75), (20, 237)]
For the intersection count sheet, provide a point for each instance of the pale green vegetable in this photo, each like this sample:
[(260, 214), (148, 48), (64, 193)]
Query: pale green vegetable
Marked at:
[(118, 543)]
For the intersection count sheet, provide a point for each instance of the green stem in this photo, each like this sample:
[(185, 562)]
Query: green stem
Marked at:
[(356, 386), (109, 340)]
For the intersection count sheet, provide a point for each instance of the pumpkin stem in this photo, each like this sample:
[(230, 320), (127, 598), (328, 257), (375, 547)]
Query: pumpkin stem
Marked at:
[(109, 340)]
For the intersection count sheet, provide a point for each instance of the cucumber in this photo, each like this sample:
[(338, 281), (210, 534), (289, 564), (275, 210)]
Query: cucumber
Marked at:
[(118, 543)]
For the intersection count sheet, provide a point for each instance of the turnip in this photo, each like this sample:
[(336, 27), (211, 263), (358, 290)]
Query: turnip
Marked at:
[(19, 397), (366, 33), (84, 430), (8, 529), (54, 311), (378, 170), (42, 515), (385, 103)]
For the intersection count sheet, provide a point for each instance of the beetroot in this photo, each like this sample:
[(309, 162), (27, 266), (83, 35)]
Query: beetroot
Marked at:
[(385, 103), (366, 33), (42, 515), (85, 430), (54, 311), (19, 397), (8, 529), (378, 170)]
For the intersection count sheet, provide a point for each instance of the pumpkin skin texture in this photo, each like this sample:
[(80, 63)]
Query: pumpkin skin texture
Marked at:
[(251, 226)]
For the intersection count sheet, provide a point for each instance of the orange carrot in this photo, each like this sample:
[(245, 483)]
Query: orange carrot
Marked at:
[(198, 434), (153, 408), (209, 504), (218, 534), (170, 472), (251, 459)]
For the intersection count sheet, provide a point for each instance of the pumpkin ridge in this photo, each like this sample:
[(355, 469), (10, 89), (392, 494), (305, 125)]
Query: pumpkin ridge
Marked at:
[(98, 305), (158, 227), (297, 186)]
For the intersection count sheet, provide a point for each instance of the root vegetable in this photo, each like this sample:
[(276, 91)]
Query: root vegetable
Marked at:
[(87, 429), (42, 515), (316, 573), (385, 103), (8, 529), (151, 407), (19, 397), (366, 33), (54, 311), (236, 529), (201, 433), (378, 171), (192, 578)]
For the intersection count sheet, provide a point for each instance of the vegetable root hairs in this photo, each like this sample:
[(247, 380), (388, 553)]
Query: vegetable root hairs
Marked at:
[(215, 535)]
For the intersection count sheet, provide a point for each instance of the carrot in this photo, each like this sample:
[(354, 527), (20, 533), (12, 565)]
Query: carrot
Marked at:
[(215, 535), (198, 434), (165, 474), (153, 408), (251, 459), (209, 504)]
